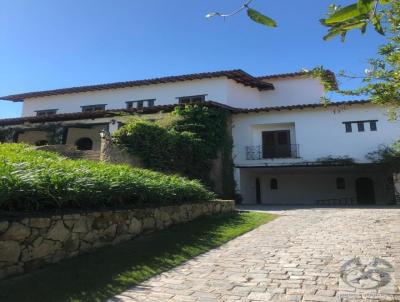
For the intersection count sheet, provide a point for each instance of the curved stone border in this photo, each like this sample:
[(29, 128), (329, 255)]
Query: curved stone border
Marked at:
[(29, 243)]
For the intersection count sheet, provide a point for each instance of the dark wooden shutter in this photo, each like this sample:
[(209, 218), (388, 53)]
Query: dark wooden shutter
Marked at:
[(276, 144)]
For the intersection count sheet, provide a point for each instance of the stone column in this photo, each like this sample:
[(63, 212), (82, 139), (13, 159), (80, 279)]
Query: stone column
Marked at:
[(105, 146)]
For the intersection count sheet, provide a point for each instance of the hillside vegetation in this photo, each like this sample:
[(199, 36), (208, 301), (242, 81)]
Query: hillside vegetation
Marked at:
[(32, 180)]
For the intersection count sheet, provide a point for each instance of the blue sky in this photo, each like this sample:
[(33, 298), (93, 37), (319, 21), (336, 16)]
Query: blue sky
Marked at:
[(47, 44)]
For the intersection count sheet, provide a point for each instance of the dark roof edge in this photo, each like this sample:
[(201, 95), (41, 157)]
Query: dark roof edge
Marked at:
[(106, 113), (303, 106), (329, 74), (164, 108), (237, 75)]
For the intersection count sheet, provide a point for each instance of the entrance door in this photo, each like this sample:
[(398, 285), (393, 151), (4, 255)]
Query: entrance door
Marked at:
[(276, 144), (365, 191)]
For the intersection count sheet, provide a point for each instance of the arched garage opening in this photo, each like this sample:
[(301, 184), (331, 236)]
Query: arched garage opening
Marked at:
[(84, 143)]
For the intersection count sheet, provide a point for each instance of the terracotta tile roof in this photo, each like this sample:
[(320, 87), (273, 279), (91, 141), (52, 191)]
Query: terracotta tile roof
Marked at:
[(330, 75), (101, 114), (302, 106), (164, 108), (237, 75)]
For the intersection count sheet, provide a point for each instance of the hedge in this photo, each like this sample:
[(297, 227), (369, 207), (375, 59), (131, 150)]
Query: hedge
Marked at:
[(32, 180)]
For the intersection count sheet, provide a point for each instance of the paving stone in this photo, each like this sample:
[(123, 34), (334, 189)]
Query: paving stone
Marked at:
[(259, 296), (326, 292), (296, 257), (320, 298)]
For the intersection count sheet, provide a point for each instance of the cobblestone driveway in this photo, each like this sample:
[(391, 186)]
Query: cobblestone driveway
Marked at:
[(297, 257)]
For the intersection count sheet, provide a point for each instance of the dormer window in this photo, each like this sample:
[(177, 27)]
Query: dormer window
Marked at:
[(47, 112), (140, 104), (192, 99), (93, 108)]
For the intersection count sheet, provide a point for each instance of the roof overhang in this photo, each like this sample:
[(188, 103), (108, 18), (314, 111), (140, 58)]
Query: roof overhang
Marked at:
[(168, 108), (329, 76), (105, 113), (237, 75), (303, 106)]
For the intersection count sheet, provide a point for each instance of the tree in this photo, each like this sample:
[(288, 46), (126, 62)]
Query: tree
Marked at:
[(382, 78)]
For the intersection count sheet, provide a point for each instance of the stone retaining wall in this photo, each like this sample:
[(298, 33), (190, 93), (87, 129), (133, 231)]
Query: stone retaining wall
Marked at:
[(27, 243)]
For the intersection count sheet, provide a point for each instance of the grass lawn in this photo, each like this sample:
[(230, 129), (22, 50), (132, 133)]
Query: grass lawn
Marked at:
[(109, 271)]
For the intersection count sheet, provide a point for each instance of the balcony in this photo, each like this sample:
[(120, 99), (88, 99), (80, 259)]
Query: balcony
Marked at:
[(272, 152)]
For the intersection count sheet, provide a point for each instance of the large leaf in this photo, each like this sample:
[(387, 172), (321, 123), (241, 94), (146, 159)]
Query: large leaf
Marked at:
[(332, 33), (359, 24), (365, 6), (343, 14), (260, 18)]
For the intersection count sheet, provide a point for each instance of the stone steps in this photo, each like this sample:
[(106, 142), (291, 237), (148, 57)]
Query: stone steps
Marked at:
[(71, 152), (87, 154)]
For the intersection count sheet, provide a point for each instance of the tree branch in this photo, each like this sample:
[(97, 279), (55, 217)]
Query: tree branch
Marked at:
[(217, 14)]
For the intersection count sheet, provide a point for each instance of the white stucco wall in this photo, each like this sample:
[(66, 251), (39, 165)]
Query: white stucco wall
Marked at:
[(93, 133), (241, 96), (318, 132), (287, 92), (307, 186), (215, 89), (292, 91)]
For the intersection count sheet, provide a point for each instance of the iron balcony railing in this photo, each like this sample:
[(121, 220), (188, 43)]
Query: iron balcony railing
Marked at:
[(269, 152)]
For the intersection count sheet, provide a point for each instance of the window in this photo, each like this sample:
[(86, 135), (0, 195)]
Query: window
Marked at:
[(348, 127), (140, 104), (273, 184), (372, 126), (361, 125), (47, 112), (192, 99), (92, 108), (276, 144), (340, 183)]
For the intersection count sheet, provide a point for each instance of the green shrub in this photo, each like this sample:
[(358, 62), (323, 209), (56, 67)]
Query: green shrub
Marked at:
[(159, 148), (388, 156), (187, 145), (37, 180)]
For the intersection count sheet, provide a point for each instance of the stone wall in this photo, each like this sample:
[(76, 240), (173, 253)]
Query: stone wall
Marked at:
[(27, 243)]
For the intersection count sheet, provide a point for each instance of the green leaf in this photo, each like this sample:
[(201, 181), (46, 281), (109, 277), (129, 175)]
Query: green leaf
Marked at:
[(375, 20), (260, 18), (365, 6), (359, 24), (343, 14), (331, 34), (384, 2)]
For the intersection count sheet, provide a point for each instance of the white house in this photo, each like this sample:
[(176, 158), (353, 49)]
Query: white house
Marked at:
[(288, 147)]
